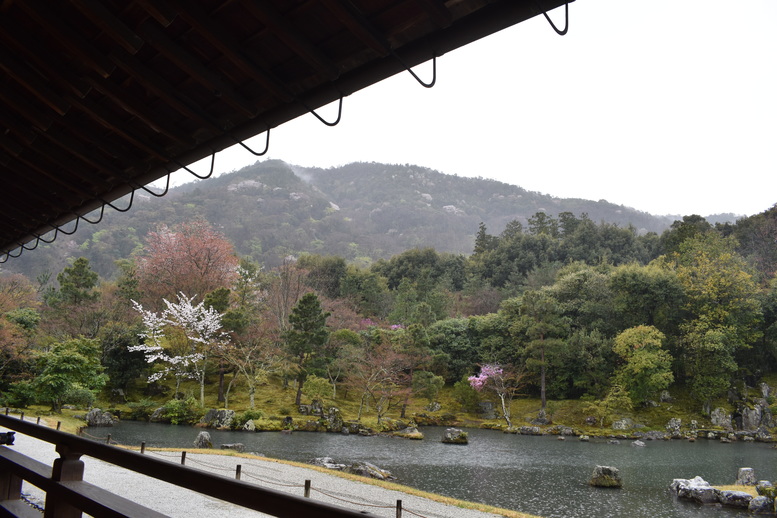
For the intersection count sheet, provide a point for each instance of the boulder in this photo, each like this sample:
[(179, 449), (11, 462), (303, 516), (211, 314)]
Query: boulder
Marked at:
[(455, 436), (766, 488), (638, 444), (673, 426), (530, 430), (590, 420), (249, 426), (584, 438), (665, 397), (434, 406), (613, 441), (696, 489), (365, 469), (487, 410), (623, 424), (158, 415), (315, 408), (96, 417), (734, 498), (334, 421), (411, 432), (766, 390), (606, 476), (719, 417), (746, 477), (218, 418), (203, 441), (761, 505), (327, 462), (750, 416), (237, 446)]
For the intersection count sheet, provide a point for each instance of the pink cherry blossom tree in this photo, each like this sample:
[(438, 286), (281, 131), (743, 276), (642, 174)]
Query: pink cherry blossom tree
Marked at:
[(502, 381)]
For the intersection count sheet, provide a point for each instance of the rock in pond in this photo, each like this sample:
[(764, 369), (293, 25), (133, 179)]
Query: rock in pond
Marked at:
[(734, 498), (203, 441), (638, 444), (606, 476), (411, 432), (455, 436), (237, 446), (327, 462), (766, 488), (696, 489), (365, 469), (761, 505), (746, 477)]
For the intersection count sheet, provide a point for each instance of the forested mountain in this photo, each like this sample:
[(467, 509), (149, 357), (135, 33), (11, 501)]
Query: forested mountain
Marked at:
[(361, 211)]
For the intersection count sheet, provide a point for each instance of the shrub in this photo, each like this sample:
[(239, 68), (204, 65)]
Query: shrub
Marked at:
[(19, 395), (466, 396), (141, 410), (249, 415), (182, 411), (80, 397)]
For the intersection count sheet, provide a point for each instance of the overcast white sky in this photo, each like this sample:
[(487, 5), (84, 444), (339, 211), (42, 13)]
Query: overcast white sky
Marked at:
[(666, 106)]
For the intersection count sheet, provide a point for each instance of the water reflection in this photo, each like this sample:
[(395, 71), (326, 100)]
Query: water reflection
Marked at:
[(538, 475)]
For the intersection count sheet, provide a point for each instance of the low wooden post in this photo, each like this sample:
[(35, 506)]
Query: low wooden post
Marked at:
[(38, 421), (21, 416), (67, 468), (399, 508), (143, 447), (10, 486), (59, 424), (183, 457), (108, 440), (238, 469), (307, 489)]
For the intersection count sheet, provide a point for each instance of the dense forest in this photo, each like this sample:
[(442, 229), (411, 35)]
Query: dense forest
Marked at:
[(553, 306), (362, 212)]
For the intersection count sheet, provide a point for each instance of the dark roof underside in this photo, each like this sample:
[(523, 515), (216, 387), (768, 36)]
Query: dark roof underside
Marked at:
[(100, 97)]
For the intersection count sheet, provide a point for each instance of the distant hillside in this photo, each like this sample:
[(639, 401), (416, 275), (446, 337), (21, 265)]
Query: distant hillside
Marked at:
[(361, 211)]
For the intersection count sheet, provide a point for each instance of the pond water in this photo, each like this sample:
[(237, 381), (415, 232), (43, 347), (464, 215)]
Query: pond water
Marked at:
[(538, 475)]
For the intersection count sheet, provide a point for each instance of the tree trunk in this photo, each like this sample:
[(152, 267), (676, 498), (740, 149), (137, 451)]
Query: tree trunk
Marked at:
[(542, 381), (505, 410), (300, 381), (220, 397), (202, 389)]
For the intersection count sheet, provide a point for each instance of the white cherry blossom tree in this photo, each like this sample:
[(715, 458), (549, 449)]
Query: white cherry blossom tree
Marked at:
[(181, 339)]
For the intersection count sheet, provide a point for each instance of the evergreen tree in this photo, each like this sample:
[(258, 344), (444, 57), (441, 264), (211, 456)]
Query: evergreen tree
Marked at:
[(306, 337)]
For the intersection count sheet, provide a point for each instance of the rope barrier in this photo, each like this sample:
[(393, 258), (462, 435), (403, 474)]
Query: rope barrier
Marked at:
[(241, 471)]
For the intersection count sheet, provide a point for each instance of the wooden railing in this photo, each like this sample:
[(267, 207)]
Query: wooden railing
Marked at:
[(68, 495)]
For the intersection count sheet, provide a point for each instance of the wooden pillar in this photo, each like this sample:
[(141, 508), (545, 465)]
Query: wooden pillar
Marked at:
[(67, 468), (10, 485)]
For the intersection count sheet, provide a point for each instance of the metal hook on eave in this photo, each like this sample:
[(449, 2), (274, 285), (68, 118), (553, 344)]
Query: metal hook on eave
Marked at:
[(114, 207), (330, 124), (25, 247), (75, 228), (102, 213), (420, 82), (566, 22), (158, 195), (9, 255), (267, 143), (212, 163)]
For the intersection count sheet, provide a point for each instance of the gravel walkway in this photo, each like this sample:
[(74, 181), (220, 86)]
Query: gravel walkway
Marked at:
[(174, 501)]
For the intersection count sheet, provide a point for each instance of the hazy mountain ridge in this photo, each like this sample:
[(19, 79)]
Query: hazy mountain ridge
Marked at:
[(360, 211)]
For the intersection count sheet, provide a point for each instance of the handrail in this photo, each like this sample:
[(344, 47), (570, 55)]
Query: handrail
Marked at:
[(65, 476)]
